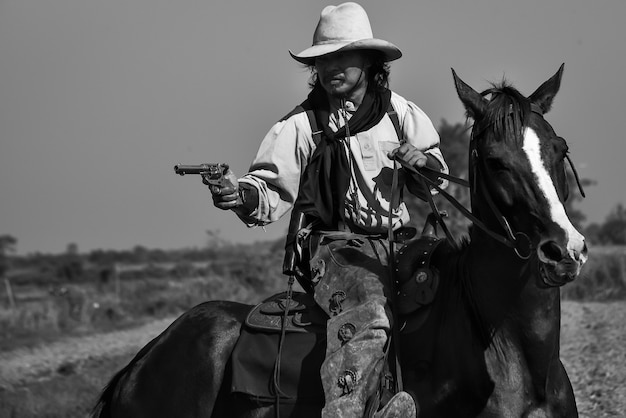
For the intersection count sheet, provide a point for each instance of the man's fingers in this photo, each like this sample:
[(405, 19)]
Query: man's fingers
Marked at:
[(225, 197), (421, 161), (409, 156), (221, 191), (226, 205), (225, 202)]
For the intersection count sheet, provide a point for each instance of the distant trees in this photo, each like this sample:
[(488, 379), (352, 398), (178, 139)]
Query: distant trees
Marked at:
[(454, 146), (455, 138), (577, 217), (612, 231)]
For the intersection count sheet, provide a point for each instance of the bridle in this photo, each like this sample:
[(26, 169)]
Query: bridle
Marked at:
[(518, 241)]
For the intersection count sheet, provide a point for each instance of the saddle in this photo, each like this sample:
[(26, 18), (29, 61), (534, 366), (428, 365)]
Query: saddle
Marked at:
[(417, 281), (303, 314), (254, 359)]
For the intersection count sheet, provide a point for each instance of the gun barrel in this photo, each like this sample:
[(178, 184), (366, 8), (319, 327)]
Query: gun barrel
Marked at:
[(183, 169)]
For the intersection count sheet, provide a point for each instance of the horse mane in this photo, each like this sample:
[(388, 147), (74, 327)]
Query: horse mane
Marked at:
[(508, 112)]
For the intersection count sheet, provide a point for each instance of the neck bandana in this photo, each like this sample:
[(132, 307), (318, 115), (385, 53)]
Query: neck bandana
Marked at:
[(327, 177)]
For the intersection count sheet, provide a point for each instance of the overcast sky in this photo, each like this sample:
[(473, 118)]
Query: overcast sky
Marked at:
[(99, 100)]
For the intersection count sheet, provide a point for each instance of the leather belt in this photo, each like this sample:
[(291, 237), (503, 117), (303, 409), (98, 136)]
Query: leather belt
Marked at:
[(400, 235)]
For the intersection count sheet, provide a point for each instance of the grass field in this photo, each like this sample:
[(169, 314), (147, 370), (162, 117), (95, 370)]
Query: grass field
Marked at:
[(58, 348), (593, 351)]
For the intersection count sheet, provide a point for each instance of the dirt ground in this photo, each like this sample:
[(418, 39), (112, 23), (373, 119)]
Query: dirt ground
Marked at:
[(593, 350)]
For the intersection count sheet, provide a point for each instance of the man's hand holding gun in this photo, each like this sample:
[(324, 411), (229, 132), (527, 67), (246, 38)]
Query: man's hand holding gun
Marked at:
[(223, 185)]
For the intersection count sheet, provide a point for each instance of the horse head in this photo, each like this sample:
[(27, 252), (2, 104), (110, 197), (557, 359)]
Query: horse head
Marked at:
[(518, 176)]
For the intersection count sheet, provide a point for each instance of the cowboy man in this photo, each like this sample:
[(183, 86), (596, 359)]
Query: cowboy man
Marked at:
[(340, 174)]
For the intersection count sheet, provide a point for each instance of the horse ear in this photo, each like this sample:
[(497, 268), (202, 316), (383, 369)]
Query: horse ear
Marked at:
[(474, 103), (544, 95)]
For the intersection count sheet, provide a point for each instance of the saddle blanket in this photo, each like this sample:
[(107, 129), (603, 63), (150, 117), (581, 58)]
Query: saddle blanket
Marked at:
[(255, 355)]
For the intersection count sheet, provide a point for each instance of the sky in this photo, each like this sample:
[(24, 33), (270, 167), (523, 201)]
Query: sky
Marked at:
[(100, 99)]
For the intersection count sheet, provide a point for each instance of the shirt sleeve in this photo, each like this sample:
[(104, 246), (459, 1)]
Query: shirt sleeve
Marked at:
[(419, 131), (275, 171)]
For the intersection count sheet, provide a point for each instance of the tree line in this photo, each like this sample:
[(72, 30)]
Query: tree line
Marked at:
[(455, 140), (454, 145)]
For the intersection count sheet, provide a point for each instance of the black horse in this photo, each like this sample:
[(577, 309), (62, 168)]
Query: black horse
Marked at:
[(490, 345)]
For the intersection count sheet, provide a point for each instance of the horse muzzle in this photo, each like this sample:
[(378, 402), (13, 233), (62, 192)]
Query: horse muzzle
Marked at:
[(560, 265)]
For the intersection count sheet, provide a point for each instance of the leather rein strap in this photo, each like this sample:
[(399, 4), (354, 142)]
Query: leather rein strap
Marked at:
[(518, 241), (395, 335)]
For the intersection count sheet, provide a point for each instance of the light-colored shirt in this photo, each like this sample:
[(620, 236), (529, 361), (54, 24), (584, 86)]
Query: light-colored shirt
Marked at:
[(286, 149)]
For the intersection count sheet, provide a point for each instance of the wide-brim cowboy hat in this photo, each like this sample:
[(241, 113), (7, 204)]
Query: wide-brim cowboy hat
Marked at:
[(341, 28)]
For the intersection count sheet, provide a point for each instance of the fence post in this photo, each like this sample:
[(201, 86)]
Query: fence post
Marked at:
[(622, 259), (116, 278), (7, 284)]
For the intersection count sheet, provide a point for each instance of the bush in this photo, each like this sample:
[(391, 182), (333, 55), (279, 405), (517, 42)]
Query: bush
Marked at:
[(603, 277)]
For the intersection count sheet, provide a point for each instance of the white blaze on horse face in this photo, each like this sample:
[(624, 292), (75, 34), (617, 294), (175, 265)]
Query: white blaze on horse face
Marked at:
[(575, 241)]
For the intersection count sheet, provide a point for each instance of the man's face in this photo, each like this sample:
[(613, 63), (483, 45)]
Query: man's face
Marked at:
[(341, 73)]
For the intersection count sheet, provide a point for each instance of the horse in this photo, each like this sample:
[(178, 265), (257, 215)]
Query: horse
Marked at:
[(489, 345)]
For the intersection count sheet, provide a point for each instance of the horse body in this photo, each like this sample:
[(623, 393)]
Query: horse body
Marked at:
[(490, 345), (180, 372)]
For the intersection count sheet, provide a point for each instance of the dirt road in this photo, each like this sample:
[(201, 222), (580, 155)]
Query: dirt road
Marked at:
[(23, 365), (593, 350)]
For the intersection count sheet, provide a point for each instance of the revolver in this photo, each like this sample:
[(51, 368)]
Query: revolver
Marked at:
[(212, 174)]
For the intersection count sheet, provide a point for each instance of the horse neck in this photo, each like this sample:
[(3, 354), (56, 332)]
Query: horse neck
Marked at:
[(492, 259), (494, 264), (496, 275), (509, 289), (538, 311), (527, 309)]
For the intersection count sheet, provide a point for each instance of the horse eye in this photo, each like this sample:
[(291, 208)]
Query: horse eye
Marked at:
[(560, 147), (495, 164)]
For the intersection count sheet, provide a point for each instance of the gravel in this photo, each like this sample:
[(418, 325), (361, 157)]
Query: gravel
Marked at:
[(24, 365), (593, 350)]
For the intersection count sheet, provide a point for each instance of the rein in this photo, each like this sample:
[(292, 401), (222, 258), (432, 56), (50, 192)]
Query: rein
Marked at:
[(511, 240), (395, 335), (518, 241)]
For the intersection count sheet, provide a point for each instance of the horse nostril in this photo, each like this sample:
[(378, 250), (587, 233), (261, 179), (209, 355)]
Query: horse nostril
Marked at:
[(585, 250), (578, 255), (552, 251)]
